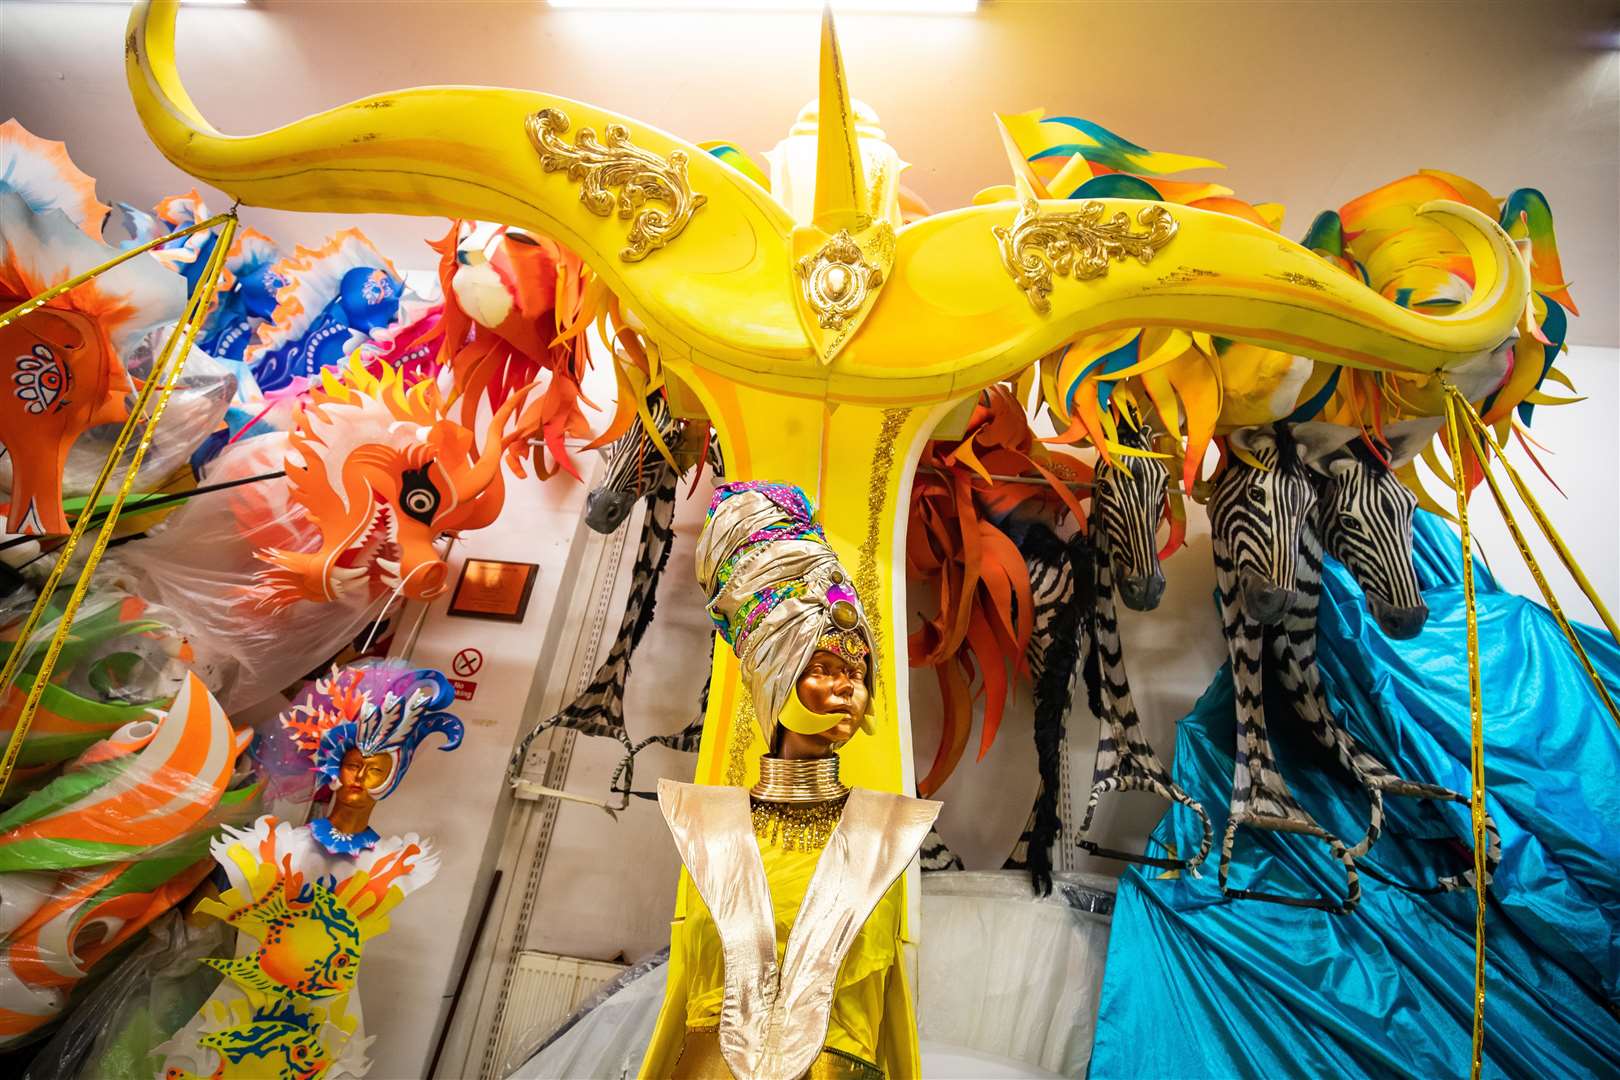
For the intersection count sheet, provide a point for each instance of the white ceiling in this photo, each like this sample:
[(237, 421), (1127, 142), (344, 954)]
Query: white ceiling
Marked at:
[(1308, 104)]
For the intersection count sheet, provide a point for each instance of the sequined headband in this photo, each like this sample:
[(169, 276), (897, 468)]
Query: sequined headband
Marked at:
[(847, 644)]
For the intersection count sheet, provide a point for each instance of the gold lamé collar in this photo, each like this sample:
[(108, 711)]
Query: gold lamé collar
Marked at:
[(798, 781)]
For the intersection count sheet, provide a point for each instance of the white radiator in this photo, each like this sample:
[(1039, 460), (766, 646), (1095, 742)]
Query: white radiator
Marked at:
[(545, 989)]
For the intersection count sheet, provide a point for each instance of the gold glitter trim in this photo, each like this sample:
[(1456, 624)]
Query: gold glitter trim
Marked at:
[(797, 826), (1302, 280), (877, 499), (742, 735)]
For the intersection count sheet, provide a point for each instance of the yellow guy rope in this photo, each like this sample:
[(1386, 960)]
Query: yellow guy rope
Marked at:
[(166, 370), (1547, 529), (1535, 569), (1476, 735)]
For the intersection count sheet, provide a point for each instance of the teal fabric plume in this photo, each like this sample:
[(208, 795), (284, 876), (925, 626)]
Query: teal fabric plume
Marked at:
[(1100, 146), (1201, 987)]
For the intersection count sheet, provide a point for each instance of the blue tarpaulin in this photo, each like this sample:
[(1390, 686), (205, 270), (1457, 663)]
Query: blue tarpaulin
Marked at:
[(1199, 986)]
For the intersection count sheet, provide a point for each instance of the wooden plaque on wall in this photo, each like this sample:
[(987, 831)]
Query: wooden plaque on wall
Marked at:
[(492, 589)]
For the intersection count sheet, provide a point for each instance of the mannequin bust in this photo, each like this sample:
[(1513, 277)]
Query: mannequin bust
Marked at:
[(788, 960), (359, 775)]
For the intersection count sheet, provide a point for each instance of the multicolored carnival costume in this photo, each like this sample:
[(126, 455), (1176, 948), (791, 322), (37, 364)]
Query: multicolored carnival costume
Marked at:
[(307, 898)]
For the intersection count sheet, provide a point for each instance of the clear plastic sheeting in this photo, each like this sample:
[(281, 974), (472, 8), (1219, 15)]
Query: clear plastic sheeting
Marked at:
[(1009, 974), (122, 659), (606, 1036), (1008, 987), (149, 996), (609, 1042), (201, 395), (114, 841), (200, 563)]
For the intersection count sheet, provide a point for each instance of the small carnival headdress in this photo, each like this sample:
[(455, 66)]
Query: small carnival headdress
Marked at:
[(385, 707), (777, 592)]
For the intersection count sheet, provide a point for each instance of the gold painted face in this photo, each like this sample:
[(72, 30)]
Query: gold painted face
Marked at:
[(832, 684), (359, 776)]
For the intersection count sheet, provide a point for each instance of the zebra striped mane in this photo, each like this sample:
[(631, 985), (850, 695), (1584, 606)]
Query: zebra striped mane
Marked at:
[(599, 708)]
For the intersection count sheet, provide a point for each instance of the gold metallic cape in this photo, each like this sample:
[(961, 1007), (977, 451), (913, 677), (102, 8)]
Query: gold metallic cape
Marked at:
[(774, 1020)]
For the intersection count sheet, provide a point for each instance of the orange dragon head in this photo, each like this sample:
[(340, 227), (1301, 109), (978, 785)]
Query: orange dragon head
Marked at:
[(61, 371), (382, 472)]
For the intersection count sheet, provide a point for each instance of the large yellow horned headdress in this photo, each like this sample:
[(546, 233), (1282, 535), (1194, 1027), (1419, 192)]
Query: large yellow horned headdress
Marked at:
[(822, 336), (713, 265)]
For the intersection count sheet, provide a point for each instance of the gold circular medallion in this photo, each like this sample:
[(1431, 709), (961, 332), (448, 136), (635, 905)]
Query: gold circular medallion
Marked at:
[(844, 615)]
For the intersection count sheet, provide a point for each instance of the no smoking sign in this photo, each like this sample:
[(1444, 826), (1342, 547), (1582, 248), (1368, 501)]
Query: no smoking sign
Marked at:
[(464, 665)]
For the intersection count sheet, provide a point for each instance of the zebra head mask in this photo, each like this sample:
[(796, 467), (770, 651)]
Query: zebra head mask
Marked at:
[(1256, 517), (1365, 519), (635, 469), (1130, 500)]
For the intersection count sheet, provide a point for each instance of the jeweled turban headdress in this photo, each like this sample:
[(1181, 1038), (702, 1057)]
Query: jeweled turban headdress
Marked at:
[(777, 592)]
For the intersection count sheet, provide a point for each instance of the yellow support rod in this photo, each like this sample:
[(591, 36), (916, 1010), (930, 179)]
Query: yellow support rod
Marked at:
[(1564, 554), (1476, 734), (165, 370), (1541, 580), (35, 302)]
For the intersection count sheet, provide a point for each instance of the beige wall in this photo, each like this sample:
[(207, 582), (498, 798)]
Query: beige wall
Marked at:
[(1308, 104)]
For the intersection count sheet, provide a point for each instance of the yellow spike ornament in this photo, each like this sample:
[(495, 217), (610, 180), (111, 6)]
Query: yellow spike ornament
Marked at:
[(823, 345)]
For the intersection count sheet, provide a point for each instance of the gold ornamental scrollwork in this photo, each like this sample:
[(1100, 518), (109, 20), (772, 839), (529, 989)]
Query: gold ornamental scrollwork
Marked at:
[(1077, 243), (639, 176), (836, 281)]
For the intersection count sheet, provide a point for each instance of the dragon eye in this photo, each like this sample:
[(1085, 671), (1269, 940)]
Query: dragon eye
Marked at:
[(418, 498)]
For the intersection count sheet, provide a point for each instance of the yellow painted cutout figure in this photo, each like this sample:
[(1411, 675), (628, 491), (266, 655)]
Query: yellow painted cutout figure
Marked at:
[(307, 899), (822, 335)]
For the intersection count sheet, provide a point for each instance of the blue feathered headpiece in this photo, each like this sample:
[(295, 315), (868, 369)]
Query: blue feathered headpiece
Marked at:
[(381, 707)]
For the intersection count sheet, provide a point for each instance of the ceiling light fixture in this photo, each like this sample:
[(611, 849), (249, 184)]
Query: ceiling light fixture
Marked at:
[(187, 3), (887, 7)]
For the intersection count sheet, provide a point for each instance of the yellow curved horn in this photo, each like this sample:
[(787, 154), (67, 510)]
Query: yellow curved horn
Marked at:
[(969, 296), (1501, 277), (954, 302), (472, 152)]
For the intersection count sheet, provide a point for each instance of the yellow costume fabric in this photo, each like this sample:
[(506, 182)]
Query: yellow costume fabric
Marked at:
[(870, 1025), (858, 996)]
